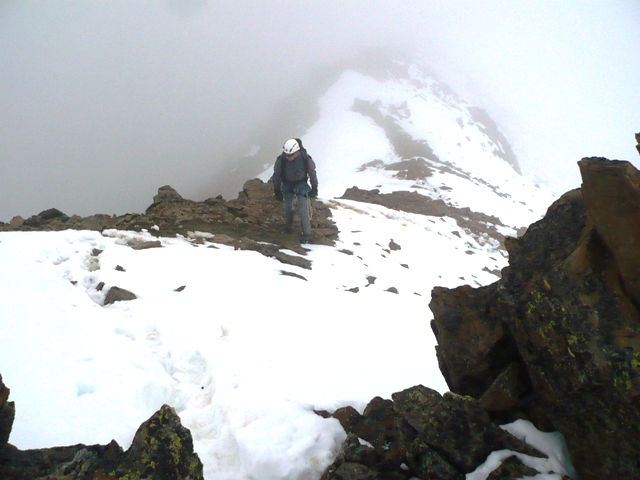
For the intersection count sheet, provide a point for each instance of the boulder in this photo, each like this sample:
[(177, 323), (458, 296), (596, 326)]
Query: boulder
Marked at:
[(167, 194), (117, 294), (16, 221), (557, 339), (50, 214), (419, 433)]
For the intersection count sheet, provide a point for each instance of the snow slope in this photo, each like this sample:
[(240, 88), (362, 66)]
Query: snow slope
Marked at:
[(245, 353)]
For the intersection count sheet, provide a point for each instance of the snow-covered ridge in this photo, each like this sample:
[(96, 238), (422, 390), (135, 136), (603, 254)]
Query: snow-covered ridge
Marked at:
[(367, 123), (243, 352)]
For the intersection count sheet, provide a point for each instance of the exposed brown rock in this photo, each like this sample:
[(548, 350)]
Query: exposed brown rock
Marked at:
[(476, 223), (16, 221), (147, 245), (167, 193), (117, 294), (611, 192)]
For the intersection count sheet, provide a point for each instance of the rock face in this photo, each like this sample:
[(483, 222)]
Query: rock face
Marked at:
[(162, 449), (557, 339)]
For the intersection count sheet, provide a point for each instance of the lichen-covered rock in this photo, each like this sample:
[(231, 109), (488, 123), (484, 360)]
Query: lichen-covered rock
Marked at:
[(420, 433), (162, 449), (455, 427), (566, 313)]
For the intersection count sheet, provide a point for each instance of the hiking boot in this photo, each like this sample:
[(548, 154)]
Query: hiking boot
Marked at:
[(306, 239)]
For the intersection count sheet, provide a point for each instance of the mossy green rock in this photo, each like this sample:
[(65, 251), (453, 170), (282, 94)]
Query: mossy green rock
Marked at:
[(454, 426), (162, 449)]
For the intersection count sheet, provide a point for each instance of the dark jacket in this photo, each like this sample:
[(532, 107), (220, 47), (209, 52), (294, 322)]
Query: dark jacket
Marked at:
[(293, 174)]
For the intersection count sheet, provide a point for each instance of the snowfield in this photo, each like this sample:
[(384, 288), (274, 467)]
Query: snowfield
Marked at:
[(242, 349)]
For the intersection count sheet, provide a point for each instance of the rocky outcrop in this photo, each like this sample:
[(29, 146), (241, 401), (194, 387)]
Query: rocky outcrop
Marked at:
[(162, 449), (557, 339), (254, 221), (476, 224), (638, 141), (419, 434)]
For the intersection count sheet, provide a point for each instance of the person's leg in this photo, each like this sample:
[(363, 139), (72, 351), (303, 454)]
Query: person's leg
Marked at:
[(304, 215), (288, 211)]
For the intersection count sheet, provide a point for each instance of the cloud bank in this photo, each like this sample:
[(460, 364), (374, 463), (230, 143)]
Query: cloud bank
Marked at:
[(103, 102)]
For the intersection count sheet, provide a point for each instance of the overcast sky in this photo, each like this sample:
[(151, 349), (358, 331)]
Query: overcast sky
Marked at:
[(102, 102)]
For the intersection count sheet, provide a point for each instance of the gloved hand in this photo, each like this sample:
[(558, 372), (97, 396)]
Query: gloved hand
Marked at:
[(278, 193), (314, 192)]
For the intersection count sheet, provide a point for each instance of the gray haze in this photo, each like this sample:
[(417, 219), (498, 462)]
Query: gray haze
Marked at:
[(102, 102)]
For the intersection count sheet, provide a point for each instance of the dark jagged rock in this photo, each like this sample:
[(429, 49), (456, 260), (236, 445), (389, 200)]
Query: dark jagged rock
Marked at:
[(455, 426), (420, 433), (557, 339), (52, 213), (162, 449), (638, 141), (7, 414), (512, 469), (254, 221)]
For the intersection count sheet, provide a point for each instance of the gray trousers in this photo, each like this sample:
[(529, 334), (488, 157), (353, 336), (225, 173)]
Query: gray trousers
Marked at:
[(302, 211)]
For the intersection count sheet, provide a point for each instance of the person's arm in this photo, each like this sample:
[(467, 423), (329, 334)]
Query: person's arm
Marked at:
[(277, 178), (313, 177)]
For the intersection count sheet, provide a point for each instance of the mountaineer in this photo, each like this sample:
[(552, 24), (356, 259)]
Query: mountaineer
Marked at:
[(293, 168)]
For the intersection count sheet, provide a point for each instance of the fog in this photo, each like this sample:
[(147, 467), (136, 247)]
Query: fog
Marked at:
[(102, 102)]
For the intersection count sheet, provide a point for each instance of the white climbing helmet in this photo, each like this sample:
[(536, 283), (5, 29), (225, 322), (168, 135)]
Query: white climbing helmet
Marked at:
[(291, 147)]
